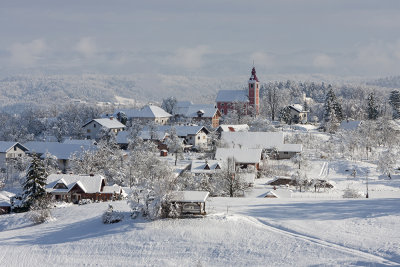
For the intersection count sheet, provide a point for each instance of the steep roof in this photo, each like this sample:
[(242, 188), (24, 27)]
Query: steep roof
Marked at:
[(244, 155), (85, 142), (149, 111), (109, 123), (5, 146), (189, 196), (89, 184), (297, 107), (232, 96), (60, 150), (5, 198), (265, 140)]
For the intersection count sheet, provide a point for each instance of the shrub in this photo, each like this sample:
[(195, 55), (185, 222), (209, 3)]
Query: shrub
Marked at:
[(39, 212), (111, 216), (352, 193)]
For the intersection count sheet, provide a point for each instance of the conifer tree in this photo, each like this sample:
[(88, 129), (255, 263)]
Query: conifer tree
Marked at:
[(394, 100), (333, 110), (372, 108), (35, 184)]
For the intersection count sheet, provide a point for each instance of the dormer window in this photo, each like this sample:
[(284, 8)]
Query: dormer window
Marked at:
[(217, 167), (60, 186), (206, 167)]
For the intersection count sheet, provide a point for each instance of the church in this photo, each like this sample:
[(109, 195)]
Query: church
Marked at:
[(247, 101)]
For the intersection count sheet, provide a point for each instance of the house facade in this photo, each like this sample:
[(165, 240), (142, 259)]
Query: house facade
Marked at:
[(149, 113), (10, 151), (197, 113), (93, 128), (298, 114), (74, 188)]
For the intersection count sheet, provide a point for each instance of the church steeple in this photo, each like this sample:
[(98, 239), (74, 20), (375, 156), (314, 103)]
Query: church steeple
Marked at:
[(254, 92)]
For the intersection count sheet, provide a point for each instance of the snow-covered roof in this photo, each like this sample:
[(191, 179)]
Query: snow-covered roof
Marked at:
[(244, 155), (183, 130), (232, 96), (109, 123), (89, 184), (86, 142), (5, 146), (5, 198), (111, 189), (205, 166), (149, 111), (299, 108), (233, 128), (270, 194), (189, 196), (60, 150), (264, 140), (191, 111), (350, 125)]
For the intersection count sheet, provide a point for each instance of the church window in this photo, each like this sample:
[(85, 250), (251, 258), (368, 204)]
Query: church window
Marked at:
[(251, 85)]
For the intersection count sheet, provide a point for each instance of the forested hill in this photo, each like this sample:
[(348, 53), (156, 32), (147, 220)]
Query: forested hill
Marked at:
[(389, 82), (18, 90)]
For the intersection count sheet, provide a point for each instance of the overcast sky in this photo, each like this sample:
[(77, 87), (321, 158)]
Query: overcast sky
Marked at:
[(210, 38)]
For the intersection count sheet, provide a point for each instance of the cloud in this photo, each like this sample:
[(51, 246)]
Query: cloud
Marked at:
[(323, 61), (191, 58), (26, 54), (86, 47)]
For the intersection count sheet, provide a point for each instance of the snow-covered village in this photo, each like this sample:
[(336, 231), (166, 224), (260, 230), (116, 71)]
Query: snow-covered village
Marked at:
[(172, 145)]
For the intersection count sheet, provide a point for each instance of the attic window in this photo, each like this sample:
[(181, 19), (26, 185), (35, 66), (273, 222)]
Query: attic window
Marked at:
[(15, 148), (217, 167), (94, 125), (60, 186), (206, 167)]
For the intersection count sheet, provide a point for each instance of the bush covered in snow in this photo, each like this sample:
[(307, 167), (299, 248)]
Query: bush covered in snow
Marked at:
[(39, 211), (111, 216), (352, 193)]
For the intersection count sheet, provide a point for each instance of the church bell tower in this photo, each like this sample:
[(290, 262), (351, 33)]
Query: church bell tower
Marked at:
[(254, 92)]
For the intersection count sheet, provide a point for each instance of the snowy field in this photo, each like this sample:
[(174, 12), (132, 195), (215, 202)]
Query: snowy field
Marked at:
[(237, 232)]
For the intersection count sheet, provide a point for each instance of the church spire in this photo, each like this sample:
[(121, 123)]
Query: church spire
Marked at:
[(253, 76)]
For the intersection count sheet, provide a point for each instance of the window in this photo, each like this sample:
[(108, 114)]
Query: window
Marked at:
[(94, 125), (88, 130), (285, 153), (198, 137), (251, 85), (222, 104), (15, 148), (204, 137), (222, 110)]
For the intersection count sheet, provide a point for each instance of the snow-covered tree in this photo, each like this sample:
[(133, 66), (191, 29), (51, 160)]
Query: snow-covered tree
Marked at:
[(285, 116), (387, 162), (229, 180), (169, 104), (372, 108), (394, 100), (333, 113), (35, 184), (175, 144)]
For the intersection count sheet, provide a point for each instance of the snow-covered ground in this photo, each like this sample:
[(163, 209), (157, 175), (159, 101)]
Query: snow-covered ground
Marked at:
[(236, 232), (295, 229)]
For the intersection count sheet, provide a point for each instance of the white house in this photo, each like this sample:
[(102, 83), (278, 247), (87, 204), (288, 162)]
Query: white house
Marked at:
[(9, 151), (93, 127), (297, 114), (195, 136)]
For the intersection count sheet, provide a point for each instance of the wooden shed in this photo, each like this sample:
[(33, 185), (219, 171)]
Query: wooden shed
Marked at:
[(191, 202)]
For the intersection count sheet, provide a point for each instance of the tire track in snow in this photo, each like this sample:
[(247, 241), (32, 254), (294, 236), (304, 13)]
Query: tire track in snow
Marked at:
[(323, 243)]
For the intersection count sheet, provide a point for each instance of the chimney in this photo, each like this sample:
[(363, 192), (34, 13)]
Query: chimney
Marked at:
[(111, 117)]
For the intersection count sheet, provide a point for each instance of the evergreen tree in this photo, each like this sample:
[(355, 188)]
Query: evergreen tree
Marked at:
[(284, 115), (35, 184), (394, 100), (333, 110), (372, 108)]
